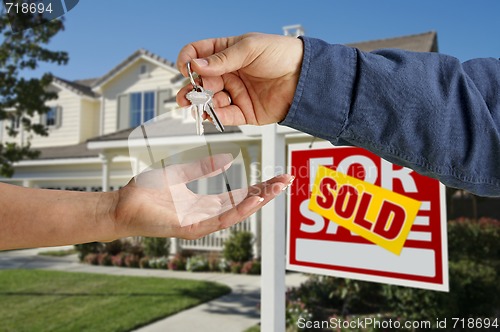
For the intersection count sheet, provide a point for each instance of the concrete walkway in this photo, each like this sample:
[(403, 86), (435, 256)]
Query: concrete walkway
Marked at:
[(236, 311)]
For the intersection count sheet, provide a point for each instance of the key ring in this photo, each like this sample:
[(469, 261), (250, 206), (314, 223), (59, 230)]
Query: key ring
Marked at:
[(197, 87)]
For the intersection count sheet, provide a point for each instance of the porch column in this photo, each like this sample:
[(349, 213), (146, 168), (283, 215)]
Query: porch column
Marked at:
[(174, 246), (105, 160), (27, 183)]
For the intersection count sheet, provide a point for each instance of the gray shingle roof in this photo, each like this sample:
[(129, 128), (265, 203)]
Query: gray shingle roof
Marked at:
[(422, 42), (77, 87), (68, 151), (87, 82)]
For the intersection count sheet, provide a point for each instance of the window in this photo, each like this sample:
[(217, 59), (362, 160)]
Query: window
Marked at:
[(142, 107), (15, 122), (144, 71), (135, 109), (149, 106), (52, 118), (139, 107)]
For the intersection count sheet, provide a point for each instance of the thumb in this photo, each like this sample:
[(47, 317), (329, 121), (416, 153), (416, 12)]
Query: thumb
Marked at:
[(223, 62)]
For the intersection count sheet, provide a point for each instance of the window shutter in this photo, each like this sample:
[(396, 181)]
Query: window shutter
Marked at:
[(43, 119), (58, 117), (163, 95), (123, 112)]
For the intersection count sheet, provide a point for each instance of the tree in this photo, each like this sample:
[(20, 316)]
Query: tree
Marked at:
[(20, 98)]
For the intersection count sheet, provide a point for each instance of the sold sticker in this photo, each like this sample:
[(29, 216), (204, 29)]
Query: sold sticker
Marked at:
[(377, 214)]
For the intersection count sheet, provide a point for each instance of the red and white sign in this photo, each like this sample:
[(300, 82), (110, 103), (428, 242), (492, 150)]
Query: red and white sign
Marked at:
[(318, 245)]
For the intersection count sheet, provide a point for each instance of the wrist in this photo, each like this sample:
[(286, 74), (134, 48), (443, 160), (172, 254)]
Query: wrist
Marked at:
[(111, 228)]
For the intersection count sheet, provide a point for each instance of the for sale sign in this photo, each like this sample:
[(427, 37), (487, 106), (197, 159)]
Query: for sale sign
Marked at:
[(355, 215)]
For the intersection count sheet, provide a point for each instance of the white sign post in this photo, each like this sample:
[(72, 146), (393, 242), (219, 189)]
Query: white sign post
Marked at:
[(273, 236)]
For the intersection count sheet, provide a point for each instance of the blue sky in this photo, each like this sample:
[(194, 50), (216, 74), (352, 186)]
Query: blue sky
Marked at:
[(100, 34)]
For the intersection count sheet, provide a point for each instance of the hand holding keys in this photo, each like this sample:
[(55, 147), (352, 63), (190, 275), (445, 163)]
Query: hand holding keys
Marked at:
[(201, 101)]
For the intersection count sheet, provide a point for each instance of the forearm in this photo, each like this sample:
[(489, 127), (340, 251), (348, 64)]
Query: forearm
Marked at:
[(421, 110), (37, 218)]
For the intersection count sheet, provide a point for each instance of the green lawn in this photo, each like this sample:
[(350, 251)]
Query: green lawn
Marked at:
[(32, 300)]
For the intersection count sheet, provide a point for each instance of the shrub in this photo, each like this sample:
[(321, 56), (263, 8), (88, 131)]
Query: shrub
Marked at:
[(198, 263), (177, 263), (235, 267), (159, 263), (131, 260), (156, 247), (144, 263), (468, 239), (91, 258), (104, 259), (118, 260), (223, 265), (327, 296), (294, 311), (472, 286), (113, 247), (474, 251), (213, 262), (251, 267), (133, 249), (238, 247), (87, 248)]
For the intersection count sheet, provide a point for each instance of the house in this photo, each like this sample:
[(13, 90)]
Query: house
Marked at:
[(94, 142)]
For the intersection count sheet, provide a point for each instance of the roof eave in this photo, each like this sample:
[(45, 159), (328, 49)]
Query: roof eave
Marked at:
[(125, 65)]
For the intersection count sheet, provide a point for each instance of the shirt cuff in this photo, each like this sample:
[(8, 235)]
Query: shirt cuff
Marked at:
[(324, 92)]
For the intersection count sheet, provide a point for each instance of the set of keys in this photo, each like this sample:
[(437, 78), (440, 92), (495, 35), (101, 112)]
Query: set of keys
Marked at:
[(201, 102)]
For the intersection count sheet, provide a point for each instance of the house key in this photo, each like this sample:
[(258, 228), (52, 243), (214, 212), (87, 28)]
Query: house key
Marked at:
[(201, 101)]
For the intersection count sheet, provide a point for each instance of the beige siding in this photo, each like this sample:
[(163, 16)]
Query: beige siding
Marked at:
[(89, 123), (69, 131), (131, 81), (66, 134)]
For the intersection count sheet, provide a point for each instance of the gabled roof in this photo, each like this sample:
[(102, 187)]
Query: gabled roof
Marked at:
[(77, 87), (87, 82), (141, 53), (422, 42)]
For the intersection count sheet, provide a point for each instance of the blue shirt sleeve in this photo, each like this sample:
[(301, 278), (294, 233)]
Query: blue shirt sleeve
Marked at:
[(426, 111)]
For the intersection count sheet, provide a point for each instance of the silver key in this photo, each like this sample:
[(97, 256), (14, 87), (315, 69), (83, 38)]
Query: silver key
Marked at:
[(199, 101), (211, 113)]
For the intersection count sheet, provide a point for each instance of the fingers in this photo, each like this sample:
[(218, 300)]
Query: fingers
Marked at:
[(258, 196), (215, 84), (232, 101), (198, 49), (222, 99), (215, 57), (235, 215), (263, 188)]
